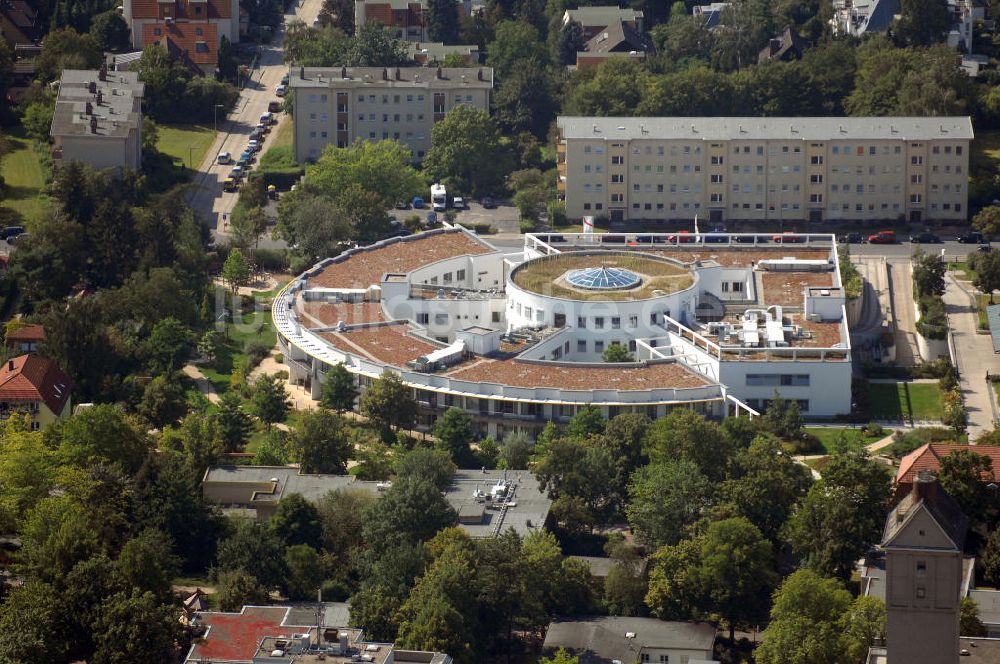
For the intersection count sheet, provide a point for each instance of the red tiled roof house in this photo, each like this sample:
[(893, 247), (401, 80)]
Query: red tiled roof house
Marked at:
[(194, 26), (25, 339), (928, 457), (33, 385)]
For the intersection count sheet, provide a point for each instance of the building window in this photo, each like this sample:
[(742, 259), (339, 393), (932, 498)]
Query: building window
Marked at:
[(423, 319), (921, 592), (598, 346), (599, 323), (616, 323), (581, 322), (581, 346)]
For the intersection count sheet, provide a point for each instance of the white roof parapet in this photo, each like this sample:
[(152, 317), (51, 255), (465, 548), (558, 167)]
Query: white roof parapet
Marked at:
[(749, 128)]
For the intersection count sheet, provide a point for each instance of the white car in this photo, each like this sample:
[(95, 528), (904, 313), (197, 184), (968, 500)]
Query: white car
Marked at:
[(458, 203), (225, 158), (281, 90), (253, 146)]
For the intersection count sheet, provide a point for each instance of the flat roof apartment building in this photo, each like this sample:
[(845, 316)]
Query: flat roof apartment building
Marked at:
[(98, 119), (338, 105), (816, 169)]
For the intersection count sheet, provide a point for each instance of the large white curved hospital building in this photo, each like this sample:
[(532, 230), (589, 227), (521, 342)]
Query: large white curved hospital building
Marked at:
[(716, 323)]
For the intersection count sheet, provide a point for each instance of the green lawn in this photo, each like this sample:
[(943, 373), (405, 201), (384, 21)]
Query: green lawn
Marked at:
[(23, 177), (185, 143), (282, 135), (232, 354), (962, 271), (983, 301), (827, 436), (911, 401)]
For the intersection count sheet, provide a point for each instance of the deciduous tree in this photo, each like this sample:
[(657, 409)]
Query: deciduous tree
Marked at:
[(467, 148), (296, 521), (321, 442), (270, 399), (389, 406)]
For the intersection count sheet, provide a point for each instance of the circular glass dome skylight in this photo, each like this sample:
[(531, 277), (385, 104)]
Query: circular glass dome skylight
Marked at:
[(603, 278)]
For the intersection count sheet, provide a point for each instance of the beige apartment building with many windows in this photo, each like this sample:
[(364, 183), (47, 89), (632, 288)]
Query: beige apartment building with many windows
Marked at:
[(722, 169), (338, 105)]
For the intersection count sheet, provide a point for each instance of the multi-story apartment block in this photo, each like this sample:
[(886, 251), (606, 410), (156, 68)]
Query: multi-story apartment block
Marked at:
[(595, 19), (189, 28), (338, 105), (815, 169), (98, 119)]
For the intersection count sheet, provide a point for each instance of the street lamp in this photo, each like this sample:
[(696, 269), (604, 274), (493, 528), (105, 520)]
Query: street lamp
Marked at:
[(215, 116)]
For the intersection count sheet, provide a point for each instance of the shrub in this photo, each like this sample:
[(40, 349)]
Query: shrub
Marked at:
[(272, 259), (527, 226), (873, 429), (933, 323), (804, 444), (255, 351), (905, 442)]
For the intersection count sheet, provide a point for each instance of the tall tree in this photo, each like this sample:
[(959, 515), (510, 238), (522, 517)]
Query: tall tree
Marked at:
[(923, 22), (686, 434), (270, 399), (442, 21), (236, 270), (321, 442), (339, 390), (665, 499), (234, 424), (255, 549), (389, 405), (466, 148), (454, 433), (296, 521), (805, 625)]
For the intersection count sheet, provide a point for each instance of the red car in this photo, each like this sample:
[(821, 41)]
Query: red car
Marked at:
[(787, 237), (883, 237), (681, 236)]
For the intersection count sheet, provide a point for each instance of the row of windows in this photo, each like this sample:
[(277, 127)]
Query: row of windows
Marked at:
[(582, 345), (761, 405), (446, 277), (771, 150), (769, 380), (598, 322)]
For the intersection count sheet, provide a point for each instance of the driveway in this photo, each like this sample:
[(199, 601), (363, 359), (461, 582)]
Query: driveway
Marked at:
[(901, 289), (974, 356), (206, 195)]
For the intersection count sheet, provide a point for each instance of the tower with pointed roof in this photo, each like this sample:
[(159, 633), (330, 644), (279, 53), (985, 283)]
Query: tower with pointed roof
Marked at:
[(923, 540)]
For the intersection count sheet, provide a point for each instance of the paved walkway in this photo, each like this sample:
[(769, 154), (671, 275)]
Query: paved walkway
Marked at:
[(974, 356), (203, 383), (901, 291)]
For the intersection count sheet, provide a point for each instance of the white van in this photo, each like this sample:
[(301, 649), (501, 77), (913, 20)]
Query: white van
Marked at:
[(439, 197)]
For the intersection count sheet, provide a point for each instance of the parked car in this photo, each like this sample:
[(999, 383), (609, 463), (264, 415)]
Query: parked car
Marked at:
[(984, 248), (432, 218), (246, 158), (267, 118), (418, 203), (281, 90), (253, 145), (787, 237), (273, 106), (972, 237), (883, 237), (257, 134), (458, 203), (607, 238), (11, 231), (715, 237), (851, 238), (489, 203), (284, 79), (230, 184), (20, 237), (748, 239), (237, 172), (272, 192), (402, 205), (925, 238), (224, 159), (680, 237)]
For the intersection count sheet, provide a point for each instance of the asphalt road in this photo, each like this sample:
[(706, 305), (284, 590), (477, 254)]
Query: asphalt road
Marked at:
[(906, 249), (206, 196)]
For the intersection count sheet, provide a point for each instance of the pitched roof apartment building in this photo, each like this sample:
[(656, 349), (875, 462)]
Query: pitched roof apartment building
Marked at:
[(98, 119), (743, 168), (188, 28), (595, 19), (338, 105)]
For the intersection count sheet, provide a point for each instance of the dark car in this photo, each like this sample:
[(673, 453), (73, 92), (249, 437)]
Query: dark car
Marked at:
[(489, 203), (925, 238), (984, 248), (11, 231), (852, 238), (972, 237), (748, 239), (715, 237), (20, 237), (612, 239)]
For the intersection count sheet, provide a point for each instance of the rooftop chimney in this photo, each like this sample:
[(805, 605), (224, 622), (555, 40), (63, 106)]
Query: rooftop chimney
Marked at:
[(10, 365), (398, 74), (480, 75), (439, 73), (343, 72), (102, 73), (91, 87), (385, 74), (88, 108), (93, 124), (925, 487), (302, 73), (100, 97)]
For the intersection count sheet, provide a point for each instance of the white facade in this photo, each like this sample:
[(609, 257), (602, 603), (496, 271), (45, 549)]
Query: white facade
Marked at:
[(520, 369)]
